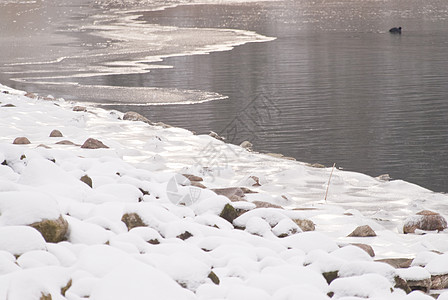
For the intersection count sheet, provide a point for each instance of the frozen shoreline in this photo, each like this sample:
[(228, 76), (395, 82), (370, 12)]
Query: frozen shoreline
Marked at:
[(109, 42), (137, 174)]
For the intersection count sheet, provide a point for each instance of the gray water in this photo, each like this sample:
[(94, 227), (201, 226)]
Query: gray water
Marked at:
[(334, 87), (341, 88)]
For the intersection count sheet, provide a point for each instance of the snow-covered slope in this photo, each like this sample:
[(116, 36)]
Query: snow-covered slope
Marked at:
[(134, 228)]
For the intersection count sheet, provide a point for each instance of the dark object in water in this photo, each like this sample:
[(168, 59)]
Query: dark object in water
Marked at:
[(395, 30)]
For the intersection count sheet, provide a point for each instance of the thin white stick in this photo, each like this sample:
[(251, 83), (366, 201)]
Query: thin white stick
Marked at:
[(328, 185)]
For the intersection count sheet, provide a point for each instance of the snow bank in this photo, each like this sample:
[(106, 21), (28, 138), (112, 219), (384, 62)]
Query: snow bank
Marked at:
[(20, 239), (140, 230)]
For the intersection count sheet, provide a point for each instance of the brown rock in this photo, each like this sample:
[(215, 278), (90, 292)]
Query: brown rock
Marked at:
[(132, 220), (276, 155), (305, 224), (184, 236), (363, 231), (134, 116), (214, 278), (289, 158), (439, 282), (235, 198), (67, 142), (247, 191), (366, 248), (193, 177), (262, 204), (79, 108), (198, 184), (425, 220), (21, 141), (330, 276), (384, 177), (228, 192), (317, 165), (423, 285), (53, 231), (65, 288), (247, 145), (56, 133), (43, 146), (8, 105), (87, 180), (31, 95), (93, 144), (216, 136), (397, 262), (400, 283), (154, 242), (229, 213), (163, 125), (45, 297), (256, 179)]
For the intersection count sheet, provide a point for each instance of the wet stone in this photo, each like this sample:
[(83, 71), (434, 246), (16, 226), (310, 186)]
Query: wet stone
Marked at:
[(21, 141), (363, 231), (93, 144), (132, 220), (56, 133), (53, 231), (80, 108), (305, 224), (229, 213), (87, 180), (397, 262), (425, 220), (134, 116), (366, 248)]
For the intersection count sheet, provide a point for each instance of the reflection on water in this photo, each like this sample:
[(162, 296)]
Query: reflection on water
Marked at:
[(340, 88), (347, 91)]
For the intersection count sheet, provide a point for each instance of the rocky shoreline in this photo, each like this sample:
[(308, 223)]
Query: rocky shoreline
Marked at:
[(102, 205)]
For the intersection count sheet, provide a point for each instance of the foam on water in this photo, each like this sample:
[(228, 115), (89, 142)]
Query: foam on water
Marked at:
[(125, 45)]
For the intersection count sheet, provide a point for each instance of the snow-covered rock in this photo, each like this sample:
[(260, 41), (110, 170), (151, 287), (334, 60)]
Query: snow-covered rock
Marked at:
[(141, 230), (20, 239)]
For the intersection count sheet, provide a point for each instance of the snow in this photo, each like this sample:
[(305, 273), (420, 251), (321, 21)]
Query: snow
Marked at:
[(37, 258), (423, 258), (351, 253), (365, 286), (24, 208), (20, 239), (413, 273), (417, 295), (134, 280), (262, 254), (438, 265), (308, 241), (357, 268), (286, 226)]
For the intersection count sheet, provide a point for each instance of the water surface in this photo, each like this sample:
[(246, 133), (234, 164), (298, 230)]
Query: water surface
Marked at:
[(334, 87), (342, 89)]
